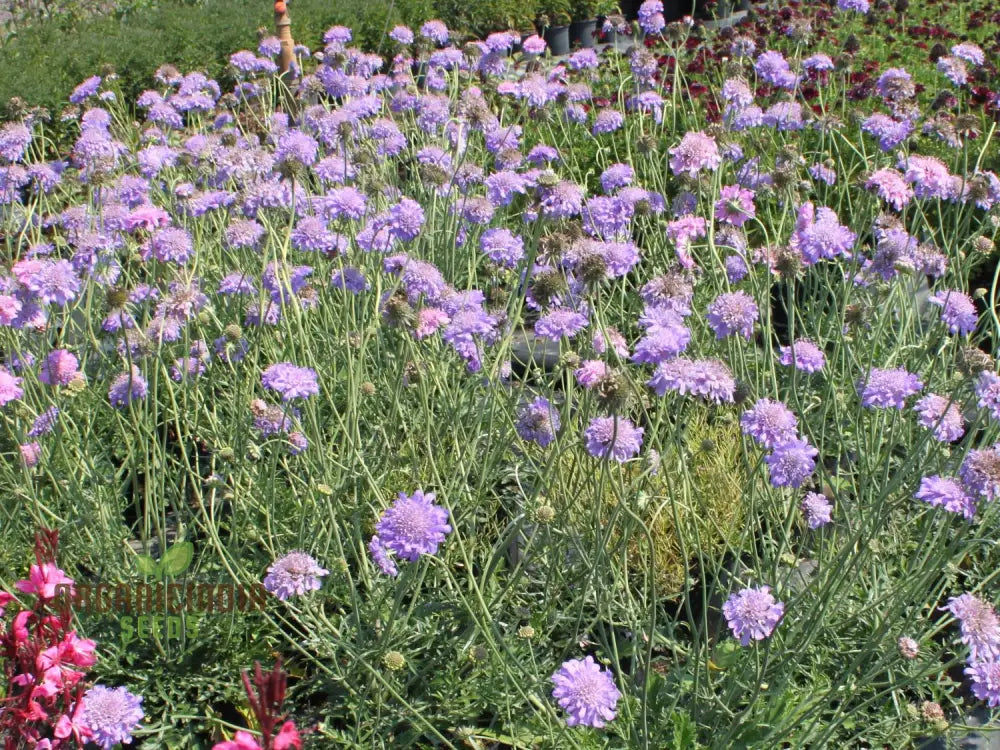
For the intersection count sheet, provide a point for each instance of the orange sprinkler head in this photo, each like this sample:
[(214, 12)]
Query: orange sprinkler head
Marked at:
[(280, 7)]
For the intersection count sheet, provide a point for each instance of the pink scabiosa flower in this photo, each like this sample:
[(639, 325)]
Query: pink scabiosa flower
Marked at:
[(590, 372), (735, 205), (10, 387), (613, 437), (110, 715), (979, 625), (413, 526), (732, 312), (31, 453), (791, 463), (294, 574), (890, 186), (753, 614), (888, 389), (942, 416), (958, 310), (817, 510), (59, 368), (947, 493), (929, 176), (804, 355), (769, 423), (697, 151), (585, 692), (908, 647)]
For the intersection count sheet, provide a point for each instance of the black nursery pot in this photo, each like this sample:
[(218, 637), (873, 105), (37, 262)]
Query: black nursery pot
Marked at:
[(557, 37), (583, 33)]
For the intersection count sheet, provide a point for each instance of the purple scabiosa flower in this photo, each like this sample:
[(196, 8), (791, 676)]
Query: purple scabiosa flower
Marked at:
[(791, 463), (467, 328), (296, 147), (351, 279), (947, 493), (753, 614), (44, 422), (294, 574), (290, 381), (651, 19), (958, 310), (985, 676), (784, 116), (562, 201), (662, 342), (769, 423), (819, 234), (735, 205), (817, 510), (502, 246), (85, 90), (401, 34), (110, 715), (857, 6), (988, 391), (413, 526), (59, 368), (942, 416), (590, 372), (616, 176), (538, 421), (953, 69), (583, 690), (971, 53), (607, 216), (818, 63), (736, 268), (773, 68), (895, 84), (697, 151), (502, 187), (709, 379), (171, 245), (560, 322), (269, 46), (737, 94), (979, 625), (823, 173), (381, 557), (435, 31), (15, 137), (406, 218), (608, 121), (980, 472), (51, 281), (583, 59), (127, 387), (888, 389), (613, 437), (890, 133), (244, 233), (890, 186), (732, 312)]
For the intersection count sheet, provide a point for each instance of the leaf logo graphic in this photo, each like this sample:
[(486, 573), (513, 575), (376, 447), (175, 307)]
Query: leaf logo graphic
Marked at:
[(173, 563)]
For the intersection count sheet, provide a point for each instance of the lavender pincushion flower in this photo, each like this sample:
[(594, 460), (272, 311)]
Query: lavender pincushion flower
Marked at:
[(791, 463), (942, 416), (769, 423), (735, 205), (413, 526), (888, 389), (980, 472), (290, 381), (817, 510), (753, 614), (560, 322), (947, 493), (294, 575), (985, 676), (988, 391), (979, 625), (732, 312), (804, 354), (537, 421), (613, 437), (585, 692), (127, 387), (110, 714), (708, 378), (958, 310)]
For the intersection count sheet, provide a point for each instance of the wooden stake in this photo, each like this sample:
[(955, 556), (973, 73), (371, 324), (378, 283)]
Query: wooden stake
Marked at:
[(283, 28)]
